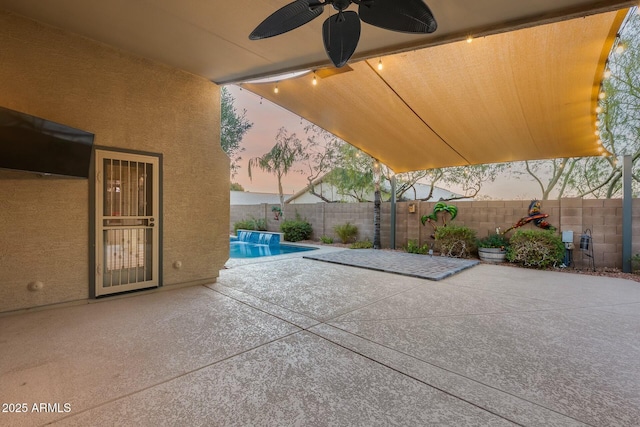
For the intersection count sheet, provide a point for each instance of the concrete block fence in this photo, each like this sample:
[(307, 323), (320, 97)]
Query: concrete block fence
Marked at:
[(602, 216)]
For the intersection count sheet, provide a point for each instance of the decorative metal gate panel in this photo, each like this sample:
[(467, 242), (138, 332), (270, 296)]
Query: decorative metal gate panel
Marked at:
[(127, 207)]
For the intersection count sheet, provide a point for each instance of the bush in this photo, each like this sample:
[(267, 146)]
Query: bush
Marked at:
[(296, 229), (494, 241), (326, 240), (635, 263), (456, 241), (346, 232), (536, 248), (366, 244), (413, 248), (250, 224)]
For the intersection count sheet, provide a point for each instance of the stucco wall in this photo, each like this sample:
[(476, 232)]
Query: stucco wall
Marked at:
[(127, 102)]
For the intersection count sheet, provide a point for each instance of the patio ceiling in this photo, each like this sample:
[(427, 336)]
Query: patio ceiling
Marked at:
[(507, 96)]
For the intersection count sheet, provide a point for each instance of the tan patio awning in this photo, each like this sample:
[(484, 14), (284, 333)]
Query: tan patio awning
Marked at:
[(521, 95)]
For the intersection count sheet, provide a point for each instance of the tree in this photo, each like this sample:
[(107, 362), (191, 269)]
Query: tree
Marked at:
[(469, 178), (321, 155), (280, 160), (236, 187), (233, 126), (377, 175), (352, 175)]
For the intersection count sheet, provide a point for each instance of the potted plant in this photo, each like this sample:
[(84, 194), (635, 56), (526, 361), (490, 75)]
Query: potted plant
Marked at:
[(493, 248)]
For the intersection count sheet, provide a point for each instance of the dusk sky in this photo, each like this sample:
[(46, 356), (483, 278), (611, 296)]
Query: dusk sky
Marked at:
[(267, 118)]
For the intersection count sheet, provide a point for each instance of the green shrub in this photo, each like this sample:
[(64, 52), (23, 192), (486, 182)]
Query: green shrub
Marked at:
[(536, 248), (413, 248), (635, 263), (365, 244), (456, 241), (250, 224), (494, 241), (326, 240), (296, 229), (347, 232)]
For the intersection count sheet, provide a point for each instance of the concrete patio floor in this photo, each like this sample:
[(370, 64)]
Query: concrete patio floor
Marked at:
[(291, 341)]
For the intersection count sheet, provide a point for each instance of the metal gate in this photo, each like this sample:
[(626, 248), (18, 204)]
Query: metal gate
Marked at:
[(127, 205)]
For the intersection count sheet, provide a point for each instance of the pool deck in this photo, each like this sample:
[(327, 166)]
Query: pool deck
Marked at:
[(291, 341)]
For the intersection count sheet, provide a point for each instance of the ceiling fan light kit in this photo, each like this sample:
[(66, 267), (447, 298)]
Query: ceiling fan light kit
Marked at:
[(341, 31)]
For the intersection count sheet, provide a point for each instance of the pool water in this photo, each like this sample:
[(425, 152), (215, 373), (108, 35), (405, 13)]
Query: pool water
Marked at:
[(239, 249)]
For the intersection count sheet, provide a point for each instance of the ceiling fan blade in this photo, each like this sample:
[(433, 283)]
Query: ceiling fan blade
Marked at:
[(341, 33), (405, 16), (285, 19)]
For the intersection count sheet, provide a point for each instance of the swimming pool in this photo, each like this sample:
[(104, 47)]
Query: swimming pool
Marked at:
[(250, 245)]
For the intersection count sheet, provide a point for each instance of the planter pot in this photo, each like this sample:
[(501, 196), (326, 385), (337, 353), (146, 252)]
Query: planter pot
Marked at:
[(494, 255)]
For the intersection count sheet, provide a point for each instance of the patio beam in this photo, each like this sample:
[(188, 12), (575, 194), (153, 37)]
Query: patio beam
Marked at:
[(627, 213)]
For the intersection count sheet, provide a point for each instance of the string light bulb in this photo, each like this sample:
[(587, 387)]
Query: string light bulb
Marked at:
[(602, 95), (607, 73), (275, 89), (315, 80), (469, 39), (598, 110), (597, 132), (599, 141), (600, 149), (597, 123), (620, 48), (380, 64)]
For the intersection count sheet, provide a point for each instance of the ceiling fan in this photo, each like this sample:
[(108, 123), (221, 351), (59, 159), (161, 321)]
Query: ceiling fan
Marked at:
[(341, 31)]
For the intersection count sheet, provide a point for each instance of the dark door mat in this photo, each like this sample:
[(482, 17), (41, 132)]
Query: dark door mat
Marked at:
[(413, 265)]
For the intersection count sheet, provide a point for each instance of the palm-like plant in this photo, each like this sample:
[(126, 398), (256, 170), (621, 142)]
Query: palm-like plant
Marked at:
[(443, 208)]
